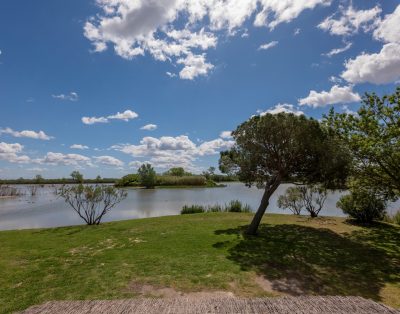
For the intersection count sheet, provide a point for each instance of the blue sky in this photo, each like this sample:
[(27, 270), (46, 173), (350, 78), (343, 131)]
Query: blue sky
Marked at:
[(90, 75)]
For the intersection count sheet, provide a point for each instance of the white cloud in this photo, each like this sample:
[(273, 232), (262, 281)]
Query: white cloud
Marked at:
[(336, 51), (64, 159), (268, 45), (336, 95), (170, 74), (226, 134), (351, 21), (195, 65), (296, 31), (388, 29), (136, 27), (93, 120), (72, 96), (335, 79), (281, 108), (376, 68), (11, 153), (79, 146), (168, 151), (27, 133), (109, 161), (149, 127), (124, 116)]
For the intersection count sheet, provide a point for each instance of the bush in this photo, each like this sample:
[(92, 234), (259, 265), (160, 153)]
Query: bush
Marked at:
[(91, 202), (128, 180), (292, 200), (193, 209), (236, 206), (363, 205)]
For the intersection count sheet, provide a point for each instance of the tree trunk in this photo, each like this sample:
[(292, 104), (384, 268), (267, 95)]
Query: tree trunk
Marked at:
[(269, 190)]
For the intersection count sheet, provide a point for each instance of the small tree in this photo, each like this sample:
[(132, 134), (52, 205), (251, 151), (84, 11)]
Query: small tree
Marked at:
[(291, 200), (363, 204), (91, 202), (77, 176), (314, 198), (38, 179), (271, 148), (147, 176)]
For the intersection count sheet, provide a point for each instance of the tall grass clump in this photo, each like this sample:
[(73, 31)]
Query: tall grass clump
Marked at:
[(192, 209), (234, 206), (181, 181)]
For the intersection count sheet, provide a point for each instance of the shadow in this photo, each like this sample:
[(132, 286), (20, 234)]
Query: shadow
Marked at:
[(299, 260)]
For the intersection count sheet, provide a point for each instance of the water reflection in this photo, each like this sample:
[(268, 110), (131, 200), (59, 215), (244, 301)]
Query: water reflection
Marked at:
[(46, 210)]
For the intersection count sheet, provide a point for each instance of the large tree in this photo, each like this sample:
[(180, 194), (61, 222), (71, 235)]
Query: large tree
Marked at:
[(271, 149), (373, 136)]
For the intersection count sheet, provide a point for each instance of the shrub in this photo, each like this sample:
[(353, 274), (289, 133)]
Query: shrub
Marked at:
[(128, 180), (193, 209), (291, 200), (236, 206), (396, 218), (91, 202), (363, 205)]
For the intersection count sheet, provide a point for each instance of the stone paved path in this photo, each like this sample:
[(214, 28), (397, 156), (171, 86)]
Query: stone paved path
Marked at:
[(184, 305)]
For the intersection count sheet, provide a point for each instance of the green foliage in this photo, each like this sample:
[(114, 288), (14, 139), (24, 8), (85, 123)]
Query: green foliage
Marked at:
[(91, 202), (177, 172), (39, 179), (147, 176), (77, 176), (271, 148), (192, 209), (292, 200), (311, 198), (128, 180), (363, 204), (373, 136)]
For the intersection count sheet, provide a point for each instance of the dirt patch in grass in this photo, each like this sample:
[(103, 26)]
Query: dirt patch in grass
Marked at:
[(147, 290)]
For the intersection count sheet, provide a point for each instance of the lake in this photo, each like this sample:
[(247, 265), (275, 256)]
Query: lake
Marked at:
[(46, 210)]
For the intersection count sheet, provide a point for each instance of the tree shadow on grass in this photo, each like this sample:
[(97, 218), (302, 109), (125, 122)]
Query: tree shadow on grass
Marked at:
[(299, 260)]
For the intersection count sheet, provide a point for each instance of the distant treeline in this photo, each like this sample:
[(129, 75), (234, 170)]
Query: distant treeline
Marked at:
[(56, 181)]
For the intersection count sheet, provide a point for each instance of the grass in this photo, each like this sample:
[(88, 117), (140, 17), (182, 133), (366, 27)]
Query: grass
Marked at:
[(200, 252)]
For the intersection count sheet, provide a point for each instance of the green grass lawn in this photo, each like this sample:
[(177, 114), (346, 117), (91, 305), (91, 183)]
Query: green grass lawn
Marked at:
[(197, 253)]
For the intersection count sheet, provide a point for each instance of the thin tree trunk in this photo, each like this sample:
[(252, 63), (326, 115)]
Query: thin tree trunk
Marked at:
[(269, 190)]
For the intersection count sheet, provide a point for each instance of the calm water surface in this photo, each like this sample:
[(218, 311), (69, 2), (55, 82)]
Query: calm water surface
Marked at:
[(46, 210)]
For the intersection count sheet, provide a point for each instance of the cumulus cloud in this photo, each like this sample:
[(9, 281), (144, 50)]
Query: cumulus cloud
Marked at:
[(225, 134), (149, 127), (268, 45), (72, 96), (351, 21), (388, 29), (377, 68), (337, 51), (11, 152), (134, 28), (281, 108), (169, 151), (336, 95), (40, 135), (52, 158), (109, 161), (124, 116), (79, 146)]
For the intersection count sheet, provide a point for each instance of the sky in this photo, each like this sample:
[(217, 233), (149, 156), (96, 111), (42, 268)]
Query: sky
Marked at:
[(102, 86)]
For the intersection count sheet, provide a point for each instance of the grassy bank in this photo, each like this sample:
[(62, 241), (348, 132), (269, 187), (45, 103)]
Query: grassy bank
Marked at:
[(200, 252)]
